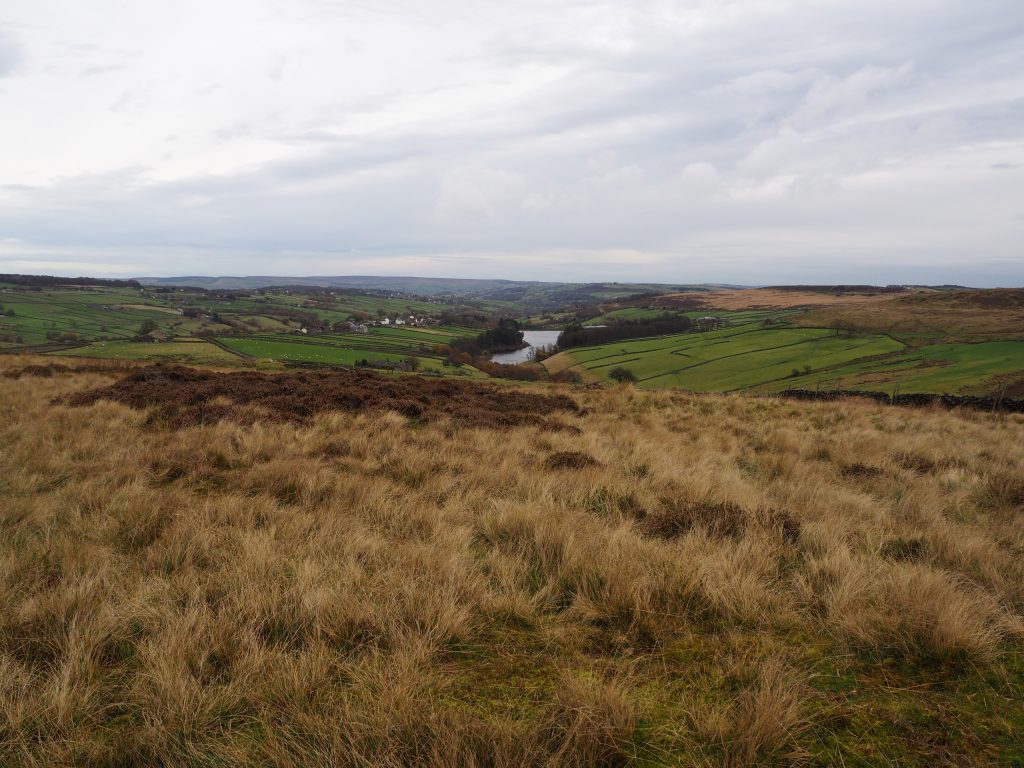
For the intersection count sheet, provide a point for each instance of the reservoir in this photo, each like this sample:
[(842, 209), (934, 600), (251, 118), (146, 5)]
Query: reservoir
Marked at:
[(534, 339)]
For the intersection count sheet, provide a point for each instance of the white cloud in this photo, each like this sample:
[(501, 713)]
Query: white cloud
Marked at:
[(685, 137), (10, 53), (477, 192), (831, 95)]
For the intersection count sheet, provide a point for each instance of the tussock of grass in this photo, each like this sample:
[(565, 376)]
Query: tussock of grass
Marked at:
[(717, 580)]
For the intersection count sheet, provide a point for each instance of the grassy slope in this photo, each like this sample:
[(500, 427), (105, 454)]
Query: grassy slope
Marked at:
[(963, 342), (734, 358), (934, 317), (89, 313), (117, 313), (371, 591), (969, 368), (109, 318), (394, 344), (748, 357)]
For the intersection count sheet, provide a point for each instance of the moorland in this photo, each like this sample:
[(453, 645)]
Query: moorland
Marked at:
[(224, 567), (263, 526)]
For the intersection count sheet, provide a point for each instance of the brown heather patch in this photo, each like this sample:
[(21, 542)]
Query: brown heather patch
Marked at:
[(185, 396), (570, 460), (716, 519), (857, 469), (341, 584)]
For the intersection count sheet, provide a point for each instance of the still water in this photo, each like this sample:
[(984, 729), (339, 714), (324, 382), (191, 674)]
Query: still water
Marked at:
[(534, 339)]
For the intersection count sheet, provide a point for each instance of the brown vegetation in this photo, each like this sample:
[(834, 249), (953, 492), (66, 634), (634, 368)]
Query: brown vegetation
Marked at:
[(719, 580), (931, 315), (182, 396), (767, 298)]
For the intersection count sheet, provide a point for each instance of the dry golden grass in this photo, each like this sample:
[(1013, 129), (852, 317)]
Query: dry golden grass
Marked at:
[(726, 580), (924, 316), (770, 298)]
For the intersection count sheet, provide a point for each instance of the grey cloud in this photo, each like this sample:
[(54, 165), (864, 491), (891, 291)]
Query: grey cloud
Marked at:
[(852, 141), (11, 53)]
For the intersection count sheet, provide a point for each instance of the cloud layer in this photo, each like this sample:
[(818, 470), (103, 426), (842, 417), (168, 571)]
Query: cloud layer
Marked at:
[(746, 141)]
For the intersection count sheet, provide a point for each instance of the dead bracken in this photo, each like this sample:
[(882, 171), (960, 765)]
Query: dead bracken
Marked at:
[(182, 396), (50, 370)]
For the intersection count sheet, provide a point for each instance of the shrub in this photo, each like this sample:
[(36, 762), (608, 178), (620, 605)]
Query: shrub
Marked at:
[(622, 375)]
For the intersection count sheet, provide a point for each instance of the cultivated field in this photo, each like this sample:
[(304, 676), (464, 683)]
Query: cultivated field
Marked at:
[(227, 571), (939, 342), (390, 344), (744, 357)]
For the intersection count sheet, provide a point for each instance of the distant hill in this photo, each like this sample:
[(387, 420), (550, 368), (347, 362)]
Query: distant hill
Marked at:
[(420, 285), (523, 294), (426, 286)]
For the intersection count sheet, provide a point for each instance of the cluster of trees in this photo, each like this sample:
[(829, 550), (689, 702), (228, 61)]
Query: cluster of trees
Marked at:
[(467, 318), (506, 336), (579, 336), (147, 327), (466, 352)]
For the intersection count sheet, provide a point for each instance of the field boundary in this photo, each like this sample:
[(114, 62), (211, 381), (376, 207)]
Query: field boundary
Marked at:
[(913, 399)]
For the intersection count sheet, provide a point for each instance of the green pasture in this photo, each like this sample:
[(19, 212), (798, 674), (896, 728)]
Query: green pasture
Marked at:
[(343, 349), (939, 368), (741, 317), (109, 314), (729, 359), (630, 313), (288, 350), (86, 313)]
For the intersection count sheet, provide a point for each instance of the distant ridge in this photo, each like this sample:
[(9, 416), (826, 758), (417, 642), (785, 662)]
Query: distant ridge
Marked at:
[(404, 283)]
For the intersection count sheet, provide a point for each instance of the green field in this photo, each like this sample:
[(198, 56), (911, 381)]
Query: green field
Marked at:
[(752, 357), (939, 368), (106, 321), (87, 313), (380, 344), (634, 314), (58, 316), (734, 358)]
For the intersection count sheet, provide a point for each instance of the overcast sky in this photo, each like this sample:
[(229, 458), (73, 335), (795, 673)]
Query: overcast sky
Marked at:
[(743, 141)]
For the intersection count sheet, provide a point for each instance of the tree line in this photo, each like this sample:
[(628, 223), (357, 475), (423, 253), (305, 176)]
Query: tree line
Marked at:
[(579, 336)]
